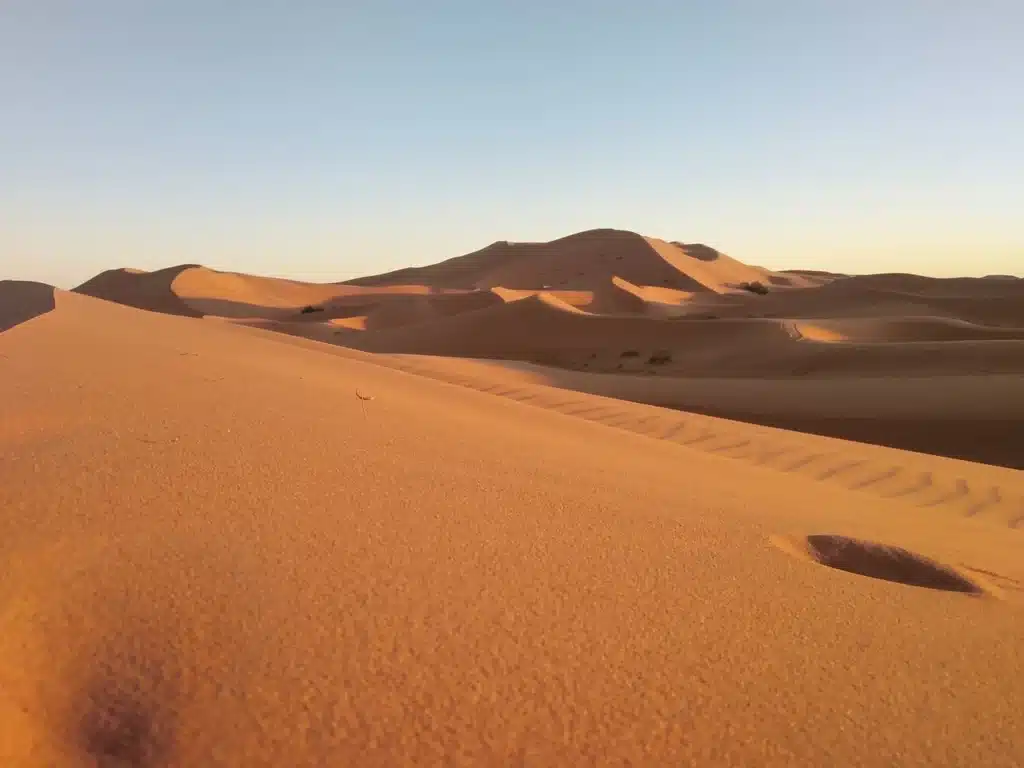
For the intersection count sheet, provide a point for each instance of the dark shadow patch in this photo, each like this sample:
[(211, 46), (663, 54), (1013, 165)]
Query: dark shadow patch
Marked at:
[(120, 726), (755, 287), (888, 563), (698, 251), (232, 309), (125, 713), (21, 301)]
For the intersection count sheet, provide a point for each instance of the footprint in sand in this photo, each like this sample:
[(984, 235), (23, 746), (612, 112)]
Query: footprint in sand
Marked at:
[(881, 561)]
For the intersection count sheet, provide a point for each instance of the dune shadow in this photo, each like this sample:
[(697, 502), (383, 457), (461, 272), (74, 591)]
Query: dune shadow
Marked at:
[(241, 309), (698, 251), (121, 718), (982, 440), (985, 441), (331, 309), (21, 301)]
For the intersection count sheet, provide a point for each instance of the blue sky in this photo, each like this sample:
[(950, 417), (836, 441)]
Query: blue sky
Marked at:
[(323, 140)]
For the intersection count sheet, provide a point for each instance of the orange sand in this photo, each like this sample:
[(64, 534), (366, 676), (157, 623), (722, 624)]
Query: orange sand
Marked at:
[(216, 553)]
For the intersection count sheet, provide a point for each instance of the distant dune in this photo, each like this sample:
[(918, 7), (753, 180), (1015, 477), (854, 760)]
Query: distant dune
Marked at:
[(583, 261), (615, 303)]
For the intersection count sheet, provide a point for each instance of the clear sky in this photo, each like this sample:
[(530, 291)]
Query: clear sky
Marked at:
[(326, 139)]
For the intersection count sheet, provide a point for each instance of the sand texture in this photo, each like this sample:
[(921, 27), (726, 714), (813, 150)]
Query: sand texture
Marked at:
[(237, 533)]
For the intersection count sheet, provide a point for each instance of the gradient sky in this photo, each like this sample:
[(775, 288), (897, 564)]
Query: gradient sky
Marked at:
[(323, 140)]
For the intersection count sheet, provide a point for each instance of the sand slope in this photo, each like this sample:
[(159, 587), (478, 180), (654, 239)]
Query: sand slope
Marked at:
[(214, 553)]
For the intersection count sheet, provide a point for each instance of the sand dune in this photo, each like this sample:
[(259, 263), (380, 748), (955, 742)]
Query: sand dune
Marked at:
[(672, 321), (978, 300), (420, 309), (964, 287), (214, 553), (543, 327), (232, 295), (194, 291), (583, 260), (144, 290), (617, 297), (621, 297), (542, 331)]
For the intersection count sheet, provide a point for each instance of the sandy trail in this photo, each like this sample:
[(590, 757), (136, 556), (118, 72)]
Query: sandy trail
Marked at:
[(214, 553)]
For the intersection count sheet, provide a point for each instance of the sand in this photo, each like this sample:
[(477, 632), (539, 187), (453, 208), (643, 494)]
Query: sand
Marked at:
[(239, 540)]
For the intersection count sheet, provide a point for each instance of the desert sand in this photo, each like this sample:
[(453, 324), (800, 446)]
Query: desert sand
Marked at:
[(441, 517)]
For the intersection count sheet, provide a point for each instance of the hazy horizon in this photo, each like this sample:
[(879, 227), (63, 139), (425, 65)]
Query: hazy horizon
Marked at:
[(329, 141)]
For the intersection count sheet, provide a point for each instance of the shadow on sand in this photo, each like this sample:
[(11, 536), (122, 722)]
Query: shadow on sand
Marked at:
[(21, 301)]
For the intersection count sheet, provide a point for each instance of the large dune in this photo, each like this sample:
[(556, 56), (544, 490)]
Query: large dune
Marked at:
[(581, 260), (224, 546)]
